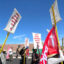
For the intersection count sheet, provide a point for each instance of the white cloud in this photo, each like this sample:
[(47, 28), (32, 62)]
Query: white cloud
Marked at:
[(19, 36)]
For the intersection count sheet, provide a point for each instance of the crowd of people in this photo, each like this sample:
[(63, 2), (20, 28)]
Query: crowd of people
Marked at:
[(22, 52), (19, 51), (35, 57)]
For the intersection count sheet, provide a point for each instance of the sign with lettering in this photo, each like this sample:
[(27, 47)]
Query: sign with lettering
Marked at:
[(13, 22), (37, 40)]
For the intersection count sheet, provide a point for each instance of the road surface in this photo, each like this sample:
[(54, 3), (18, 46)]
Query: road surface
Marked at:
[(17, 61)]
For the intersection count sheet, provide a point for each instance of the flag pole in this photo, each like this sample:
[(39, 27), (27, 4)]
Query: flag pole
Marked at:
[(55, 24), (4, 42), (24, 57), (56, 27)]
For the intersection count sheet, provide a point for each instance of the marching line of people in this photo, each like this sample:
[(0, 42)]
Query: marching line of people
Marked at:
[(35, 57)]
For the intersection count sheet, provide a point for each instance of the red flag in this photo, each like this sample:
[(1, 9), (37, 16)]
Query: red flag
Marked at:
[(50, 46)]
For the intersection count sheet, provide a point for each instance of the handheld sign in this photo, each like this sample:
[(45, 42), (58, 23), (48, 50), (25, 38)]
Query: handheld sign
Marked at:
[(13, 22), (11, 26), (37, 40), (55, 17), (56, 11), (27, 46), (26, 42)]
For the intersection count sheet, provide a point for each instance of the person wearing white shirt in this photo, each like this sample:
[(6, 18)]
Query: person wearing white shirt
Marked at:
[(10, 54), (3, 57), (53, 60)]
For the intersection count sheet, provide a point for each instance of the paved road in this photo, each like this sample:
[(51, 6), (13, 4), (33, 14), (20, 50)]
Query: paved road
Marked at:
[(17, 61)]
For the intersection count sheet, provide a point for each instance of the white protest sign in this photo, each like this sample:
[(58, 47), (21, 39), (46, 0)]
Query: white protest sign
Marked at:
[(13, 22), (26, 42), (56, 12), (37, 40)]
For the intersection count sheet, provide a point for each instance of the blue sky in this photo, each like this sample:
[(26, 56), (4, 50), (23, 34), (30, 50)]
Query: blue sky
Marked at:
[(35, 18)]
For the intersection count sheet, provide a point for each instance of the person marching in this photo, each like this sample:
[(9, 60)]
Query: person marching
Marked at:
[(23, 57), (17, 51), (35, 57)]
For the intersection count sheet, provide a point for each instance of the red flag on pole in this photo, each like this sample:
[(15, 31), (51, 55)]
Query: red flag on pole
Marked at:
[(50, 47)]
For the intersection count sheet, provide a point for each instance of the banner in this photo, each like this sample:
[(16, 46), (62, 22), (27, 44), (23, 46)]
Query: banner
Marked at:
[(13, 22), (26, 42), (27, 46), (56, 12), (37, 40), (50, 47)]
